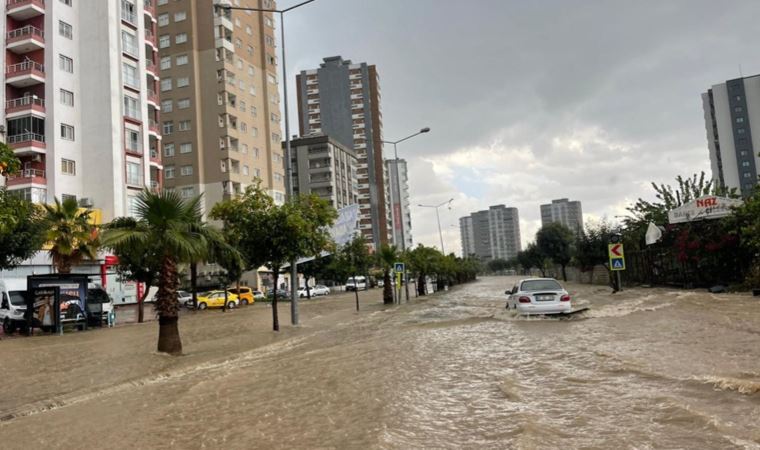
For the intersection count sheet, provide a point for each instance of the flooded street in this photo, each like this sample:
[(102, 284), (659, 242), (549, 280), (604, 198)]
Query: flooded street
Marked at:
[(645, 368)]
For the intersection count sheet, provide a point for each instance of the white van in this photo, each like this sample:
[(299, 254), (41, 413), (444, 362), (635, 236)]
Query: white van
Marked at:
[(12, 304), (98, 301), (357, 283)]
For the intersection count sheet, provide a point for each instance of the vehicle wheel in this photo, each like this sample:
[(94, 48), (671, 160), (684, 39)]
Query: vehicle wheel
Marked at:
[(202, 305), (9, 327), (244, 302), (231, 305)]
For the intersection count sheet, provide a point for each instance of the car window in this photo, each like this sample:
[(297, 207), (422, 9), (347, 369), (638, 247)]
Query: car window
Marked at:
[(97, 296), (4, 304), (541, 285), (17, 298)]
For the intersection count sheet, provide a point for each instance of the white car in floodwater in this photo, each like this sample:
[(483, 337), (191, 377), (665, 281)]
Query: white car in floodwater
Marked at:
[(539, 296)]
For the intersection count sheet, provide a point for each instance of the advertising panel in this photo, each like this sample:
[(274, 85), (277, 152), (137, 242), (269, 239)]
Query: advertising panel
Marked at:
[(42, 308), (72, 294)]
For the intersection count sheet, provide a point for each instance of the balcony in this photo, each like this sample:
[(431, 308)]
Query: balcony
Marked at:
[(226, 44), (27, 176), (224, 21), (150, 67), (155, 157), (25, 39), (149, 8), (153, 128), (153, 98), (24, 105), (154, 186), (150, 38), (24, 9), (27, 144), (27, 73)]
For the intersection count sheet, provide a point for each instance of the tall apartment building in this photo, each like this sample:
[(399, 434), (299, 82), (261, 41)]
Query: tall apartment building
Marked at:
[(80, 105), (220, 107), (325, 167), (569, 214), (399, 203), (732, 112), (342, 100), (491, 234), (467, 236)]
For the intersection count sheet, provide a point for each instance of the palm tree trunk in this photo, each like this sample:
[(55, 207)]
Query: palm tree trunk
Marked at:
[(168, 308), (275, 319), (194, 282), (356, 292), (387, 288), (308, 290), (141, 304), (421, 282)]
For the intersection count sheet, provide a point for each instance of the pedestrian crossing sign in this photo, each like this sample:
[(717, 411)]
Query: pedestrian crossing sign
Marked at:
[(617, 264), (398, 267)]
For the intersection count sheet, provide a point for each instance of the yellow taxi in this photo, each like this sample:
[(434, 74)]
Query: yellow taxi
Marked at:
[(245, 294), (215, 299)]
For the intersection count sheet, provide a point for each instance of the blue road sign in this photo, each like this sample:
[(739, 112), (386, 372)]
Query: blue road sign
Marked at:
[(398, 267), (617, 263)]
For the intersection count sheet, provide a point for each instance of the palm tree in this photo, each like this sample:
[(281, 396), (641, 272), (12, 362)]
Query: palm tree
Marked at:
[(387, 256), (174, 228), (70, 233)]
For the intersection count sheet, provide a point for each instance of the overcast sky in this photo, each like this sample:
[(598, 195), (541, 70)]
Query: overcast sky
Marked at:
[(533, 101)]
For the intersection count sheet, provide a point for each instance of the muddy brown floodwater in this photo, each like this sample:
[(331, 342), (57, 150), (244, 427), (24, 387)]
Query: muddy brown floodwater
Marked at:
[(646, 368)]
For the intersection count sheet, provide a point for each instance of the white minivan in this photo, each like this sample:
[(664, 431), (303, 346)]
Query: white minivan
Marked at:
[(357, 283), (12, 304)]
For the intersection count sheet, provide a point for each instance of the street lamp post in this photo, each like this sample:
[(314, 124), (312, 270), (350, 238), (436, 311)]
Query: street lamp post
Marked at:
[(288, 162), (398, 191), (440, 234)]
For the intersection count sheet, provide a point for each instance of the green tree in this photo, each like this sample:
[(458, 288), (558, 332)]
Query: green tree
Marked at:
[(22, 231), (138, 261), (386, 258), (497, 265), (171, 224), (421, 261), (531, 258), (555, 241), (71, 234), (354, 259), (273, 235), (9, 163), (591, 244)]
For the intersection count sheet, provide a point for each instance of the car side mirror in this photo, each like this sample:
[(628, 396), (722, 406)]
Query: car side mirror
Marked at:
[(507, 292)]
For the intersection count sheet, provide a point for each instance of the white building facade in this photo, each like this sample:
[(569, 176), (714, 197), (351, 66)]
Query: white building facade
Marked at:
[(80, 106)]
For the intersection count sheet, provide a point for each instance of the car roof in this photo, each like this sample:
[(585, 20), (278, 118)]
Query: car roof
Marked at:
[(538, 279)]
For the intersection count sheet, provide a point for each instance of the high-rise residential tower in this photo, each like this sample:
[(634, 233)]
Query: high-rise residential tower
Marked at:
[(491, 234), (80, 104), (732, 122), (342, 100), (220, 117), (399, 203), (569, 214), (324, 167)]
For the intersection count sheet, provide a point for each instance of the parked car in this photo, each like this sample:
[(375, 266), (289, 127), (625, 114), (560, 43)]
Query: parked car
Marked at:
[(99, 305), (315, 291), (538, 296), (357, 283), (245, 294), (12, 304), (258, 295), (215, 299), (281, 293), (185, 299)]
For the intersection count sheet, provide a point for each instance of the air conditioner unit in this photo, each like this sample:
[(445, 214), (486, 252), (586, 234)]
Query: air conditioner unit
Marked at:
[(37, 158), (86, 202)]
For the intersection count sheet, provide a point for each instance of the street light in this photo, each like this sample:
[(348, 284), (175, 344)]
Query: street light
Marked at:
[(440, 234), (288, 162), (398, 191)]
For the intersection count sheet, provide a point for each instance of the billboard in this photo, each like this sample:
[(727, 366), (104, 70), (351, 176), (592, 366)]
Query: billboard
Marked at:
[(42, 309), (706, 207), (72, 293), (345, 226)]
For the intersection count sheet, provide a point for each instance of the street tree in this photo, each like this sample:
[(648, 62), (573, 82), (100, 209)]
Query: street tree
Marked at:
[(421, 261), (22, 231), (555, 241), (354, 259), (71, 234), (169, 223), (386, 258)]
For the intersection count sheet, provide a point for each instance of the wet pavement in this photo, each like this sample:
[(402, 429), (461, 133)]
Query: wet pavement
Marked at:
[(645, 368)]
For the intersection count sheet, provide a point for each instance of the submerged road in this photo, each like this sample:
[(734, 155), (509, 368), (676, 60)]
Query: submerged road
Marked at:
[(646, 368)]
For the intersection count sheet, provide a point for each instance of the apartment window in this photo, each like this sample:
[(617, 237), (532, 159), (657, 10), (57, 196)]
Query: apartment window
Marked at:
[(241, 85), (238, 43), (132, 140), (277, 177), (180, 16), (162, 2), (67, 97), (169, 150), (250, 50), (271, 78), (168, 127), (166, 84), (183, 103), (166, 62), (747, 175), (65, 30), (131, 107), (740, 130), (256, 152), (164, 41), (181, 60), (67, 132), (251, 71), (254, 131), (167, 106), (186, 170), (185, 148), (183, 81), (245, 170), (257, 172), (745, 163), (243, 127), (129, 73), (180, 38), (276, 137), (184, 125), (223, 165), (244, 149), (738, 109), (740, 120), (187, 192), (239, 63), (253, 111), (133, 174), (274, 117), (68, 167), (169, 172), (743, 153), (248, 30), (66, 2), (65, 63), (242, 106), (129, 43), (269, 22), (163, 20), (269, 40)]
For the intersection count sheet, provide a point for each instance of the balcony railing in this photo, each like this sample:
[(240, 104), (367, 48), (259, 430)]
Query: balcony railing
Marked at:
[(13, 69), (150, 65), (25, 32), (25, 137), (149, 36), (24, 101), (152, 96), (10, 4), (28, 174), (153, 125), (149, 7), (154, 185)]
